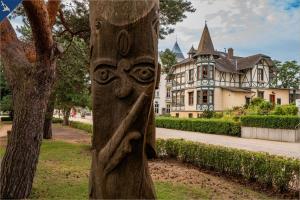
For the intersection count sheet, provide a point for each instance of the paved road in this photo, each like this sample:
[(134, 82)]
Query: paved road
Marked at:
[(272, 147)]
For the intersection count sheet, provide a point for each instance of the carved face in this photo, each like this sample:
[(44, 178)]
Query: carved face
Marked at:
[(124, 66)]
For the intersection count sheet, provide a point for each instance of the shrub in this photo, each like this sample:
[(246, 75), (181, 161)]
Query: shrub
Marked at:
[(56, 120), (268, 170), (207, 114), (265, 108), (286, 110), (82, 126), (256, 101), (270, 121), (218, 115), (215, 126)]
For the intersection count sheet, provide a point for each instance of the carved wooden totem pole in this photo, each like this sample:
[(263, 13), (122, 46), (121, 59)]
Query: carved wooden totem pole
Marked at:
[(124, 72)]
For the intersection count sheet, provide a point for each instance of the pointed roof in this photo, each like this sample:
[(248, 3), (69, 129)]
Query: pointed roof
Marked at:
[(176, 49), (192, 50), (206, 46)]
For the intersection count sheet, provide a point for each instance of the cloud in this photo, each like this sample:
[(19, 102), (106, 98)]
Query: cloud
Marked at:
[(250, 26)]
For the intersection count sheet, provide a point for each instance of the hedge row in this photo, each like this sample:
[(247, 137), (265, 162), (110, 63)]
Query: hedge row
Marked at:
[(215, 126), (82, 126), (278, 172), (271, 121), (6, 119), (57, 120)]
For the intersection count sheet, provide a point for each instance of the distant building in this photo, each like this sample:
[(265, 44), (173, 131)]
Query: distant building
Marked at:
[(214, 80), (177, 51), (162, 98)]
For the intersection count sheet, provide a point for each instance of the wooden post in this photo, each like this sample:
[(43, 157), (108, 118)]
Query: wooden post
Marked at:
[(124, 72)]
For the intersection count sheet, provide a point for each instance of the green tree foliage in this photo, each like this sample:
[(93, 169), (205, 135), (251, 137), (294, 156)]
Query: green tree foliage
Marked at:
[(168, 59), (5, 94), (72, 84), (76, 17), (172, 12), (288, 75)]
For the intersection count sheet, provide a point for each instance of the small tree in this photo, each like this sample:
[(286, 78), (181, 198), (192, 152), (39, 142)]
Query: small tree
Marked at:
[(30, 72), (168, 59), (71, 87), (288, 76)]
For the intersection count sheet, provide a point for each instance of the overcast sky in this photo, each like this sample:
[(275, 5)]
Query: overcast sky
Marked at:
[(271, 27)]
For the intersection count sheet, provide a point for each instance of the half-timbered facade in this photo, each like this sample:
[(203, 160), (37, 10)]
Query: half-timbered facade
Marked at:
[(214, 80)]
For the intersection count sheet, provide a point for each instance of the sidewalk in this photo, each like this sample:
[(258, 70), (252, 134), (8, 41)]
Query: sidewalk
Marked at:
[(272, 147)]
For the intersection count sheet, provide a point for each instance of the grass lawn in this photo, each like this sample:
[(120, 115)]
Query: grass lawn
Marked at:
[(63, 172)]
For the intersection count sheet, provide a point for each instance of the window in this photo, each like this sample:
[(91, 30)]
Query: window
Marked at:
[(204, 71), (177, 115), (198, 73), (205, 97), (260, 74), (191, 98), (248, 99), (190, 115), (156, 93), (191, 75), (181, 98), (168, 110), (279, 101), (182, 78), (174, 98), (178, 98), (168, 95), (260, 94), (156, 107)]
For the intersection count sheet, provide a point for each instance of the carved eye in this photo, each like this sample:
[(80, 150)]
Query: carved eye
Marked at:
[(144, 74), (104, 75)]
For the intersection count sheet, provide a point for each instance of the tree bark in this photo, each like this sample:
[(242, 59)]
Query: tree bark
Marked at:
[(124, 72), (49, 117), (66, 116), (31, 85)]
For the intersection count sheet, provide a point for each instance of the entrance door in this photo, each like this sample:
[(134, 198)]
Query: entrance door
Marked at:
[(272, 99)]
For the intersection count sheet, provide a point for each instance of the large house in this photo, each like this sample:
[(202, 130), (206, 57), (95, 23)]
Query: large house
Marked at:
[(214, 80)]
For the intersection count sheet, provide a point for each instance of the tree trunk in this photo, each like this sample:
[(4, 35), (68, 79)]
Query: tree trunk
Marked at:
[(124, 71), (294, 96), (48, 117), (66, 115), (20, 159), (31, 83)]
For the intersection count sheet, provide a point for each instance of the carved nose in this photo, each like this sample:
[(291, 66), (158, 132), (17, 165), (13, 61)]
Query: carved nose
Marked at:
[(124, 89)]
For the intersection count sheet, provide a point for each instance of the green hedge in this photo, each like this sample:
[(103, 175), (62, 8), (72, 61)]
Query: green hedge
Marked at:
[(82, 126), (215, 126), (57, 120), (6, 119), (270, 121), (279, 172)]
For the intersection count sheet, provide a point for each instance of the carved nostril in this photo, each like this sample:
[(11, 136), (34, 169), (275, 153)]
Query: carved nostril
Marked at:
[(124, 89)]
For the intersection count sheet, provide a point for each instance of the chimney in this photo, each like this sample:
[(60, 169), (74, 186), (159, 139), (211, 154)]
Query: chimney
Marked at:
[(230, 53)]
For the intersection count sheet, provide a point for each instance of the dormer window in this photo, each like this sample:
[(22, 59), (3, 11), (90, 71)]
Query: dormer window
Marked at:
[(260, 75)]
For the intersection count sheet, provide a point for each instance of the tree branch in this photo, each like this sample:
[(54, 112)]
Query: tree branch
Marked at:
[(64, 23), (39, 21), (52, 8), (12, 52)]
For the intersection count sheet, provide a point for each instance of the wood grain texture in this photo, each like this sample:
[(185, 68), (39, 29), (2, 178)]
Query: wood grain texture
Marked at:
[(124, 72)]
